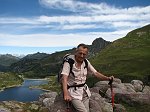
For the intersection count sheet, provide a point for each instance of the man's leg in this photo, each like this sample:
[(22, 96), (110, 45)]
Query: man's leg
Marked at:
[(79, 105), (86, 103), (85, 100)]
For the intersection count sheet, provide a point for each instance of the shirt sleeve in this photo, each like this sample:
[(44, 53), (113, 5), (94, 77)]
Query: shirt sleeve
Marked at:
[(66, 69), (91, 69)]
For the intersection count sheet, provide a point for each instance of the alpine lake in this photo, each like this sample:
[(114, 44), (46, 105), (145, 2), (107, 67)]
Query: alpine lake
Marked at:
[(23, 93)]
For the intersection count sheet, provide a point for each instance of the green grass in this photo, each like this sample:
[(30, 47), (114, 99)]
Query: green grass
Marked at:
[(137, 108), (128, 56), (9, 79), (52, 85)]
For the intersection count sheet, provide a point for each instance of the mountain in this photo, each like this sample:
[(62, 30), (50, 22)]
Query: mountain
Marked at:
[(128, 57), (50, 64), (28, 63), (37, 56), (6, 60), (97, 45)]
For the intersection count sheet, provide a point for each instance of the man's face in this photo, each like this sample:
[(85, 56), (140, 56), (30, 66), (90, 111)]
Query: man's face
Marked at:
[(81, 54)]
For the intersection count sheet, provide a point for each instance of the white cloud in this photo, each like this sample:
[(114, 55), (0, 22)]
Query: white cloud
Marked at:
[(44, 40), (79, 26), (72, 5), (91, 8), (17, 20), (84, 16), (53, 40)]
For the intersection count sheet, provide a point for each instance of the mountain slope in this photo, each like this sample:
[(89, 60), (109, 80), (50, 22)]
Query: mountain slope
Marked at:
[(28, 63), (128, 56), (6, 60)]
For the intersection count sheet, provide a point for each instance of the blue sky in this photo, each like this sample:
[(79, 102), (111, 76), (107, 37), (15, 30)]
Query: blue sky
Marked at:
[(30, 26)]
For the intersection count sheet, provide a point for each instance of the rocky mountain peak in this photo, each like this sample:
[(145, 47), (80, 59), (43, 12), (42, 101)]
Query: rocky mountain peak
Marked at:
[(97, 45)]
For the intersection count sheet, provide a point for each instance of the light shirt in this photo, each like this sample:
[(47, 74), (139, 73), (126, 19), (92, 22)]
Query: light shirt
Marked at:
[(80, 78)]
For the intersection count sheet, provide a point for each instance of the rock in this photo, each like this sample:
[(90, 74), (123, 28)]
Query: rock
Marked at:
[(47, 99), (119, 108), (138, 85), (94, 106), (129, 93), (133, 99), (95, 89), (129, 88), (102, 85), (34, 107), (117, 81), (43, 109), (105, 106), (11, 106), (59, 105), (18, 110), (4, 110), (146, 90), (115, 91)]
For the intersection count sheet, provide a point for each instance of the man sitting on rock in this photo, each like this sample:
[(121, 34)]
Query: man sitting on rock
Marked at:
[(73, 82)]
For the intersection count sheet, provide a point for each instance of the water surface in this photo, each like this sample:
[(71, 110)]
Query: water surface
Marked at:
[(23, 93)]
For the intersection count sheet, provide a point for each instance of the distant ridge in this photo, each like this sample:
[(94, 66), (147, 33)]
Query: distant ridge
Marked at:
[(41, 65), (7, 59)]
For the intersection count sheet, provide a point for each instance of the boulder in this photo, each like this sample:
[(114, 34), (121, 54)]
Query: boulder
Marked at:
[(102, 85), (100, 100), (129, 88), (105, 106), (59, 105), (119, 108), (146, 90), (133, 99), (94, 106), (47, 99), (2, 109), (138, 85)]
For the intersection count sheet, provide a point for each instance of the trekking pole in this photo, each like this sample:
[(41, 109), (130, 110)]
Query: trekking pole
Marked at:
[(68, 106), (112, 93)]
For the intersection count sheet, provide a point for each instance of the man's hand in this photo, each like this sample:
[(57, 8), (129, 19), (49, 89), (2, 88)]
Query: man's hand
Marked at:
[(111, 78), (67, 97)]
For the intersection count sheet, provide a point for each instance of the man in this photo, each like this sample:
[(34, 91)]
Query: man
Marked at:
[(74, 87)]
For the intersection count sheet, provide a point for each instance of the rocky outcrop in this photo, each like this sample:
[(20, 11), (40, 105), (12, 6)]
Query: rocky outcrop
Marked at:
[(97, 45), (131, 93), (100, 101)]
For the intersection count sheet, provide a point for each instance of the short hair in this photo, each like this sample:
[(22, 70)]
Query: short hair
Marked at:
[(82, 45)]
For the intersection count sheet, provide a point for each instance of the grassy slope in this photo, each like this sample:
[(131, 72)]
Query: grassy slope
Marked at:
[(9, 79), (128, 56)]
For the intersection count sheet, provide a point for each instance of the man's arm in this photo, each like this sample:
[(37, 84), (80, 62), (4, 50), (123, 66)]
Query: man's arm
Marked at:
[(103, 77), (98, 74), (67, 96)]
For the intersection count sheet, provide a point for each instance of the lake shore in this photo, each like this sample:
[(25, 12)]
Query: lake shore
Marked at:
[(35, 78), (17, 85), (2, 89)]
